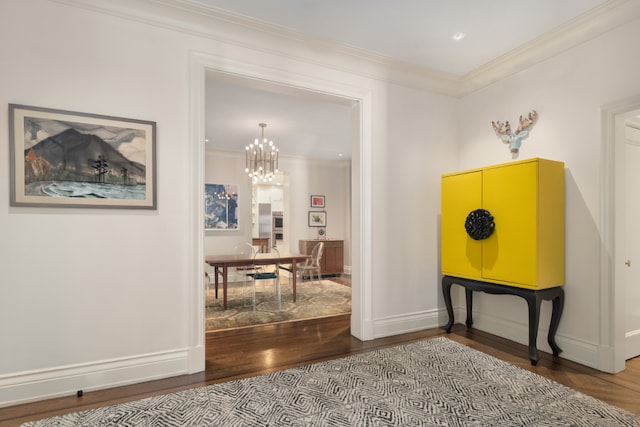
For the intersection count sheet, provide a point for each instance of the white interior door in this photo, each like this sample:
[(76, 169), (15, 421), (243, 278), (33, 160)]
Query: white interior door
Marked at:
[(632, 243)]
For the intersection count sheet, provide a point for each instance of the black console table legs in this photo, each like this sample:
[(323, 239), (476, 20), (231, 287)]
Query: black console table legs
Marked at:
[(556, 313), (534, 300), (469, 298), (446, 292)]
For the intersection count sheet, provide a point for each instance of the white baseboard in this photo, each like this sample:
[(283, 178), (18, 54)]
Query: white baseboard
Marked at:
[(572, 349), (33, 386), (402, 324), (44, 384)]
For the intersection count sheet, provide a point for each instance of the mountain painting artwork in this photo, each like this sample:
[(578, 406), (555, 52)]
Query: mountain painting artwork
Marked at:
[(68, 159)]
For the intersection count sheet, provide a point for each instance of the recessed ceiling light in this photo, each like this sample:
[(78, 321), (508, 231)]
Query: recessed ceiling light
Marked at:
[(339, 154), (458, 36)]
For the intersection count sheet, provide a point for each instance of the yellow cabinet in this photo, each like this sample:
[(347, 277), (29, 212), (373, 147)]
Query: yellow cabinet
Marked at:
[(526, 200)]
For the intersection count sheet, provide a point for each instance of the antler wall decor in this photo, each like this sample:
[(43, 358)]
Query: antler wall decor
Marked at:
[(503, 130)]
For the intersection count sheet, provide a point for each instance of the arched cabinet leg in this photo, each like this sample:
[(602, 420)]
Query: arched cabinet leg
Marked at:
[(446, 293), (533, 301), (558, 306), (469, 296)]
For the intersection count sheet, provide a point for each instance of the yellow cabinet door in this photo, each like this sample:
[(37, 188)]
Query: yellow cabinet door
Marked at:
[(526, 200), (461, 256), (510, 193)]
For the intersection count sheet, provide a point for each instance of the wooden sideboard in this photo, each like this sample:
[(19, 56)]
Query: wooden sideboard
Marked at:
[(332, 261), (262, 243)]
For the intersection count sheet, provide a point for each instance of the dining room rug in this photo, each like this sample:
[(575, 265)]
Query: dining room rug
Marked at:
[(313, 299), (435, 382)]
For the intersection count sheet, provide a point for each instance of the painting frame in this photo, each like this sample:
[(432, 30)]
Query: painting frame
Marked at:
[(317, 218), (317, 201), (221, 207), (69, 159)]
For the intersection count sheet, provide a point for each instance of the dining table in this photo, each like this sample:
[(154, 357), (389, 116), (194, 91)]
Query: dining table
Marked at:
[(222, 262)]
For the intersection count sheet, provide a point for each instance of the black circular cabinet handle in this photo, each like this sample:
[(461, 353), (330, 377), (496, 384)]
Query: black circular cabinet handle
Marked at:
[(479, 224)]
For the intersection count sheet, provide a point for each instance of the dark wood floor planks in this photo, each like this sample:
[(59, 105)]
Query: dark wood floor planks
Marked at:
[(239, 353)]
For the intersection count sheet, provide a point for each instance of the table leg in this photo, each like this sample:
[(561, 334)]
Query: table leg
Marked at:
[(446, 293), (216, 281), (558, 306), (469, 295), (294, 273), (224, 287), (534, 302)]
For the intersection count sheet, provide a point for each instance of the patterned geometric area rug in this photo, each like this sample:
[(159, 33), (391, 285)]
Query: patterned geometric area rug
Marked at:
[(437, 382), (313, 299)]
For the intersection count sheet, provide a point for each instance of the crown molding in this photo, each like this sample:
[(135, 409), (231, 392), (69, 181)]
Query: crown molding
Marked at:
[(195, 19), (606, 17), (261, 38)]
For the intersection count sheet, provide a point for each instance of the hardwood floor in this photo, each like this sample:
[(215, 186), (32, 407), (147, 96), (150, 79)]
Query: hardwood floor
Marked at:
[(257, 350)]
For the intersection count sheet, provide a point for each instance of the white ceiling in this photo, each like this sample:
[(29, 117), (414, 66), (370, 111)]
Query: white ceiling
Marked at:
[(419, 32), (300, 123), (414, 32)]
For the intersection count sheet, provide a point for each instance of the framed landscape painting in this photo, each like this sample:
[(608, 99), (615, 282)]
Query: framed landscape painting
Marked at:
[(68, 159), (221, 206)]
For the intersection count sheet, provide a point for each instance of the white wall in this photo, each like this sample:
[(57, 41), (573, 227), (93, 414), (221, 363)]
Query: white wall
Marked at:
[(328, 178), (304, 178), (101, 293), (416, 145), (568, 92), (76, 315)]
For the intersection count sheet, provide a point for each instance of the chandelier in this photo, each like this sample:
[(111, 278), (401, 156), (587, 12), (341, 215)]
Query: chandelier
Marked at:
[(261, 159)]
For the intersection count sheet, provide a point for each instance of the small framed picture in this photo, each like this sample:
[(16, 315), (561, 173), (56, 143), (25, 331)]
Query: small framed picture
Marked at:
[(317, 219), (317, 201)]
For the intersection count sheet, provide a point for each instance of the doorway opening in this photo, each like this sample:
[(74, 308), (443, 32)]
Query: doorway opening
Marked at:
[(615, 264), (277, 211), (360, 175)]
